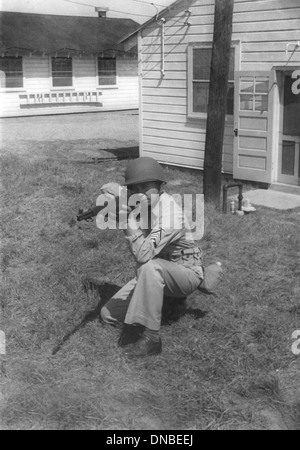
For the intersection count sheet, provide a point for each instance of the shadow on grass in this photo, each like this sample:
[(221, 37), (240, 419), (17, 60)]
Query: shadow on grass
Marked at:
[(105, 291), (173, 309), (114, 154)]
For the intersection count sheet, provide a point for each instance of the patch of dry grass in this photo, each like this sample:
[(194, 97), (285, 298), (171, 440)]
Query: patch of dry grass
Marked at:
[(217, 372)]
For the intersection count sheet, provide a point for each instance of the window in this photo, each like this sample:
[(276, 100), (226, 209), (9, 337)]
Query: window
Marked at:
[(62, 74), (11, 72), (254, 94), (288, 158), (107, 71), (199, 77)]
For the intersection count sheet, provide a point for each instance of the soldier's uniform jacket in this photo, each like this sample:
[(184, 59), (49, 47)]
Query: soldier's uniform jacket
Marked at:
[(168, 237)]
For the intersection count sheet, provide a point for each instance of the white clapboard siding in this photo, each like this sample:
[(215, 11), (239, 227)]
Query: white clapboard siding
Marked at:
[(127, 93), (238, 27), (148, 99), (36, 73), (85, 73), (279, 36), (156, 74), (172, 50), (263, 6), (38, 86), (263, 27), (9, 103), (169, 57), (168, 92)]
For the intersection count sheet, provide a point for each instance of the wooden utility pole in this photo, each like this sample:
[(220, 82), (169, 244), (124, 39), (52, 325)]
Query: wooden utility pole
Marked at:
[(217, 100)]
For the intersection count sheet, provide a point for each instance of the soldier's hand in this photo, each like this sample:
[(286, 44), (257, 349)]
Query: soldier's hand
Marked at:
[(111, 190)]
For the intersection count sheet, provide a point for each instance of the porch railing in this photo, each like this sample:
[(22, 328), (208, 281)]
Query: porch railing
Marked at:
[(58, 98)]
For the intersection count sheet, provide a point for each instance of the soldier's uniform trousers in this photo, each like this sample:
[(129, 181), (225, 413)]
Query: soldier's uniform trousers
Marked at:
[(140, 301)]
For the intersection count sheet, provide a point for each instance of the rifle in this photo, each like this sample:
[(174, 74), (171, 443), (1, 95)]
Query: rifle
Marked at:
[(93, 212), (89, 214)]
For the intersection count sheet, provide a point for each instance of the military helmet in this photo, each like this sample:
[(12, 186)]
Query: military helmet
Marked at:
[(142, 170)]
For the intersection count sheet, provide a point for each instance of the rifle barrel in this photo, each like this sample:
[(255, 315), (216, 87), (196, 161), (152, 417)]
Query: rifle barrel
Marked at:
[(87, 215)]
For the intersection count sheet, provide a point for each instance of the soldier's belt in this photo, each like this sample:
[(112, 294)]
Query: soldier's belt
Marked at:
[(171, 256)]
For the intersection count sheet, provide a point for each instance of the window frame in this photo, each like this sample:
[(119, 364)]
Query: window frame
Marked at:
[(17, 88), (106, 86), (236, 45), (51, 73)]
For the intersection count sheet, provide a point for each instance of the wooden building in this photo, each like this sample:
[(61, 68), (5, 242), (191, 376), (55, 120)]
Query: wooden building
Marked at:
[(262, 136), (63, 64)]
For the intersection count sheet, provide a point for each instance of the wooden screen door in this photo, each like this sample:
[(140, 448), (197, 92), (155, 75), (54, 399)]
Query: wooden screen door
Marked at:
[(253, 126), (289, 134)]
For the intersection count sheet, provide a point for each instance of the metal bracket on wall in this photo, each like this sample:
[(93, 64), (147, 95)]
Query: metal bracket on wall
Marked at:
[(297, 45), (187, 19)]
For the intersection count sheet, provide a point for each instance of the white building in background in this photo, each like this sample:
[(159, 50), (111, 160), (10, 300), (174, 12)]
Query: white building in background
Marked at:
[(262, 136), (63, 64)]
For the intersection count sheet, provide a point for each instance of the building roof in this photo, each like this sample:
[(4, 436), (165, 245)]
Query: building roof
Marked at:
[(50, 34)]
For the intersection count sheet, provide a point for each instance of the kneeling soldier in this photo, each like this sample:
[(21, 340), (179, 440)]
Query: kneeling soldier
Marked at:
[(169, 263)]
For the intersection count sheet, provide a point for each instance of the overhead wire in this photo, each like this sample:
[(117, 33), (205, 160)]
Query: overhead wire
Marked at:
[(78, 3), (117, 11), (149, 4)]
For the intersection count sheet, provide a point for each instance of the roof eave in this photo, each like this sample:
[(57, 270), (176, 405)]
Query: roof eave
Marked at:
[(156, 17)]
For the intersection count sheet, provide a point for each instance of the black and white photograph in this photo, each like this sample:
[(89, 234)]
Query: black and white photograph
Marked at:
[(150, 218)]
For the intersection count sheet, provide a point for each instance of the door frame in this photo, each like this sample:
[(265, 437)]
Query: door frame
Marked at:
[(265, 176), (279, 72)]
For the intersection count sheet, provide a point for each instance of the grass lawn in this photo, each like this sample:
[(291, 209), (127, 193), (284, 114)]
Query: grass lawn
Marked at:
[(231, 369)]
